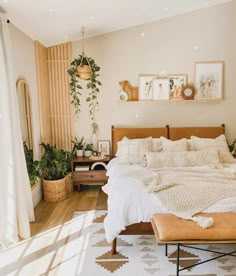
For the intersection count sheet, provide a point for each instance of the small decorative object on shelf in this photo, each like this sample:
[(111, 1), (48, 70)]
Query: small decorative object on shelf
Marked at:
[(123, 96), (188, 92), (130, 90)]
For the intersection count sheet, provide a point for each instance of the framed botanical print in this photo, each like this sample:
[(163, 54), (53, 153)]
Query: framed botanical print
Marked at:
[(161, 89), (209, 80), (145, 87), (177, 82)]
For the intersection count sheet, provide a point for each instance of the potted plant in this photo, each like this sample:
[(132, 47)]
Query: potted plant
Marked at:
[(53, 171), (88, 150), (68, 156), (33, 166), (92, 85), (78, 148), (232, 148)]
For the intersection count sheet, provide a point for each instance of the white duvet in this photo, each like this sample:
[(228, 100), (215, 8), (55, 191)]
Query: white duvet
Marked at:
[(129, 202)]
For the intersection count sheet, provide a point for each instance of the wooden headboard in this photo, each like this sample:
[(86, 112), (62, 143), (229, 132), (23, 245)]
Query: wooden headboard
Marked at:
[(172, 133), (176, 133), (117, 133)]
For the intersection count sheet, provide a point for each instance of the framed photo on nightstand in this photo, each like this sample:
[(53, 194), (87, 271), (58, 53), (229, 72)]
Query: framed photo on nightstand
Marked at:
[(104, 147)]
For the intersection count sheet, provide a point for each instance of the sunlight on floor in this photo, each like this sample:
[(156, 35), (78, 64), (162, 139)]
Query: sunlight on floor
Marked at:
[(44, 253)]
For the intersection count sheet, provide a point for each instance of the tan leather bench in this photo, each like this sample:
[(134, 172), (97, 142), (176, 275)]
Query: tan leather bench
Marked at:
[(170, 229)]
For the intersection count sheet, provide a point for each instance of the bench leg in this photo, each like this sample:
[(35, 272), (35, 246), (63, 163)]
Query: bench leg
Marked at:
[(177, 260), (113, 248), (166, 249)]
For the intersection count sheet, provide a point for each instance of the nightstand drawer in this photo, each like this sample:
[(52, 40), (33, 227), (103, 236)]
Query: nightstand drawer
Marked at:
[(91, 176)]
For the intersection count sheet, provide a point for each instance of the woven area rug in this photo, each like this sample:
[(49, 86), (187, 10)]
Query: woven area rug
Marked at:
[(88, 253)]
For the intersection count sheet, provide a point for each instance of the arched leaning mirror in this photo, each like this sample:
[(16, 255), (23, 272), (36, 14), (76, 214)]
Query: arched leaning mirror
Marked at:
[(25, 113), (25, 110)]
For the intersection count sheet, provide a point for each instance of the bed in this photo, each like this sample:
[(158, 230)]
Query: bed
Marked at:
[(130, 207)]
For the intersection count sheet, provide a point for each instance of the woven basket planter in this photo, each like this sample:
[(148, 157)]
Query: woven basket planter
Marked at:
[(54, 190), (84, 72), (69, 184)]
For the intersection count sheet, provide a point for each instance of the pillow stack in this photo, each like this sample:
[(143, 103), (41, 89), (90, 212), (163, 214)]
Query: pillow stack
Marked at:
[(219, 144), (162, 152)]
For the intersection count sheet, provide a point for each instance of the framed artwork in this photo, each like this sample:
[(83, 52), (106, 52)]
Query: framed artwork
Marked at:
[(145, 86), (209, 80), (161, 89), (104, 147), (177, 82)]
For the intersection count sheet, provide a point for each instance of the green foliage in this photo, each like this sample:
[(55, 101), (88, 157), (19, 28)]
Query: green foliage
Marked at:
[(55, 163), (92, 85), (78, 145), (33, 166), (88, 147), (232, 146)]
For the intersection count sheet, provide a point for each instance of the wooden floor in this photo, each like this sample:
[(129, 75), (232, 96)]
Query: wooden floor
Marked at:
[(49, 215)]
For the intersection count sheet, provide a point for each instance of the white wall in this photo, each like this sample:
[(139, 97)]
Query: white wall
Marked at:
[(25, 67), (167, 45)]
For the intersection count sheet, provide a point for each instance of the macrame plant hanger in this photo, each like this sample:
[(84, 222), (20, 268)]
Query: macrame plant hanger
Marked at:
[(84, 71)]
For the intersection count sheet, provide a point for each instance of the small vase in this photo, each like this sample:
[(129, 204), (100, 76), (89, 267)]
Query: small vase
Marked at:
[(87, 153), (94, 141)]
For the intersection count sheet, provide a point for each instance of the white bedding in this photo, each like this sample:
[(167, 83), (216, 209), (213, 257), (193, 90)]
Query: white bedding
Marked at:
[(129, 202)]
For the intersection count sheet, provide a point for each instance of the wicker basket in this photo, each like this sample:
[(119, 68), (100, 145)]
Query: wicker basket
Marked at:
[(84, 72), (69, 184), (54, 190)]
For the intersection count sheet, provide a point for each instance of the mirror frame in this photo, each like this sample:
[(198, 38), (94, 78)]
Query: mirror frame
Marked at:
[(18, 83)]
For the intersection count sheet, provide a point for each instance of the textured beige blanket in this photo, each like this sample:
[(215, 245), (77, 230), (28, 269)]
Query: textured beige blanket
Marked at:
[(186, 192)]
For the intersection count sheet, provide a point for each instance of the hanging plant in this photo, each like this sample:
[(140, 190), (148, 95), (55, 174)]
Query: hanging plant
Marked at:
[(84, 68), (92, 85)]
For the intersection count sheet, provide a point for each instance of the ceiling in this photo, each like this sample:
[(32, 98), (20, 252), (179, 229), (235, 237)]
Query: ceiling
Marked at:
[(56, 21)]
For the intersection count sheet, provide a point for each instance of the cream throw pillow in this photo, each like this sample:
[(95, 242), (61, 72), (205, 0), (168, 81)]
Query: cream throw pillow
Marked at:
[(181, 158), (156, 144), (132, 151), (218, 143), (178, 145)]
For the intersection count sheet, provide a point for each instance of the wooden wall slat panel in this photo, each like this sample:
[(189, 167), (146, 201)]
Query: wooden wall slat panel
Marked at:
[(56, 112), (59, 59), (43, 92)]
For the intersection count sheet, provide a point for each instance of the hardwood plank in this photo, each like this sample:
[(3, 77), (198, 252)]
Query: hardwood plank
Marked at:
[(49, 215)]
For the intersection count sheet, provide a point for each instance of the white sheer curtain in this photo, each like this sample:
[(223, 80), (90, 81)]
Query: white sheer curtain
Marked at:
[(16, 207)]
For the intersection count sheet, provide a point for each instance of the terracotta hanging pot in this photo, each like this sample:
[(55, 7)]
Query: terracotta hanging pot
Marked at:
[(84, 72)]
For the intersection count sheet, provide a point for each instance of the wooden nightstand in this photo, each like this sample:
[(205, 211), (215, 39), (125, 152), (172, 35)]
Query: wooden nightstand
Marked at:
[(91, 172)]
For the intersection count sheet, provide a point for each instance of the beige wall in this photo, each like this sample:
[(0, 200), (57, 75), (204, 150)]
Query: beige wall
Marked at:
[(167, 45), (25, 67)]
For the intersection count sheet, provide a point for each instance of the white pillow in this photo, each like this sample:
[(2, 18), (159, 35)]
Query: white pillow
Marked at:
[(178, 145), (132, 151), (218, 143), (181, 158), (156, 144)]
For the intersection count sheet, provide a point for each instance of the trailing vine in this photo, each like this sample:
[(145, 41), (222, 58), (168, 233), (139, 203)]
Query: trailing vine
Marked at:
[(92, 85)]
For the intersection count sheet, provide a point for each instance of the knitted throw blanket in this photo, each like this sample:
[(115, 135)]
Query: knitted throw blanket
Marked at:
[(186, 192)]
